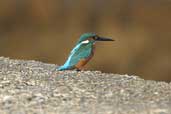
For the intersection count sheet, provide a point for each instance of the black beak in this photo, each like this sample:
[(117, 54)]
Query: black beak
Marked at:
[(103, 39)]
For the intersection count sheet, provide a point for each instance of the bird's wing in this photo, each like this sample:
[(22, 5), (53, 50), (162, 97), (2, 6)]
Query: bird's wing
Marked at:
[(81, 51)]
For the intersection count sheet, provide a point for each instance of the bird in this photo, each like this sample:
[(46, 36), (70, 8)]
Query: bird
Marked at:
[(82, 52)]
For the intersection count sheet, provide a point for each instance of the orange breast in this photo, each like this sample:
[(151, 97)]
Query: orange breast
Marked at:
[(83, 62)]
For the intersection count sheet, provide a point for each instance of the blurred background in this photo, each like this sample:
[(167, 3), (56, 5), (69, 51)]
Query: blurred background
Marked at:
[(47, 30)]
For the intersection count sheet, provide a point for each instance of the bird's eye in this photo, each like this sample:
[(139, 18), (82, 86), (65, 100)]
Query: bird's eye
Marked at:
[(95, 37)]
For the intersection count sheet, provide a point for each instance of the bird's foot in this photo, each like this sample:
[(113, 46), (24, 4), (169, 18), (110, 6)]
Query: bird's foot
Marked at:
[(78, 70)]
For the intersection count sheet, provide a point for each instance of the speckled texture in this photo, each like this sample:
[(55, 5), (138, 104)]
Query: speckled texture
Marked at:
[(31, 87)]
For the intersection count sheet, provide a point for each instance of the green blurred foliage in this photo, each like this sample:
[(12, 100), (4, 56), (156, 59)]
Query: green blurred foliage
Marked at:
[(46, 30)]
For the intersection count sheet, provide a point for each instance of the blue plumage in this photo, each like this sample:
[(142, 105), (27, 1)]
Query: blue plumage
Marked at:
[(80, 51)]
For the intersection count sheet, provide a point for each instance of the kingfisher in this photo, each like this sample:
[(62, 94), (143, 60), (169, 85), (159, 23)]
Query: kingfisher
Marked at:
[(82, 52)]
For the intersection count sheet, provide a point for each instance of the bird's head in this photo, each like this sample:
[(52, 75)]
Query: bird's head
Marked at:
[(91, 38)]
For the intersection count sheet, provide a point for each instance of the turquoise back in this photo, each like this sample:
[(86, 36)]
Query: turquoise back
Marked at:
[(80, 51)]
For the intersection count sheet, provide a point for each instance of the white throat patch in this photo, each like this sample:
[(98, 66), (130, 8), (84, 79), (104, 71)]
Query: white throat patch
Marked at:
[(85, 42)]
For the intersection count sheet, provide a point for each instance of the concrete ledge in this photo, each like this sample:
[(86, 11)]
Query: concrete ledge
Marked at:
[(31, 87)]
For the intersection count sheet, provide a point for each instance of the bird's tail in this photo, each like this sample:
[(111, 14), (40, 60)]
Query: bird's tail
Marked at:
[(61, 68)]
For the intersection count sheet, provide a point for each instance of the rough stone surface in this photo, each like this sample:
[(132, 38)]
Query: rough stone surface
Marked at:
[(31, 87)]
